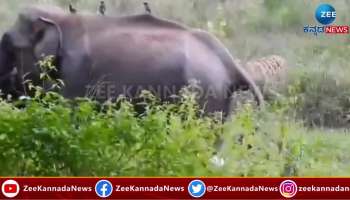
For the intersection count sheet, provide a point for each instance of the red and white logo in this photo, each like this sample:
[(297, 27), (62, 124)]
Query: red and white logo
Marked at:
[(10, 188), (337, 29)]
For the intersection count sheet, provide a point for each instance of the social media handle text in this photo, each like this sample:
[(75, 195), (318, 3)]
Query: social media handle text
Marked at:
[(230, 188), (64, 188), (157, 188)]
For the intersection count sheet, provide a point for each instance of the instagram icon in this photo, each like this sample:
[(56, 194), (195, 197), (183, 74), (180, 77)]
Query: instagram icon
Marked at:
[(288, 188)]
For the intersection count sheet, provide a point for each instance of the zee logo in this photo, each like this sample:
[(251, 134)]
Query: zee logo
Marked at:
[(10, 188), (325, 14)]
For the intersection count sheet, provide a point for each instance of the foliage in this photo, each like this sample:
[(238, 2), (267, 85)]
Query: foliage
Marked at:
[(322, 98), (52, 136)]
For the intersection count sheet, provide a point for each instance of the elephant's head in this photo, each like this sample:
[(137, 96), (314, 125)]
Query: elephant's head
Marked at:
[(35, 34)]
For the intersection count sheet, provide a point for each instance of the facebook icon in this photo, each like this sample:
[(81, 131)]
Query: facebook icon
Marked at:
[(103, 188)]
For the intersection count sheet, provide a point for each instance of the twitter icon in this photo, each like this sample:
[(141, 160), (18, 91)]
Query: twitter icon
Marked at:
[(196, 188)]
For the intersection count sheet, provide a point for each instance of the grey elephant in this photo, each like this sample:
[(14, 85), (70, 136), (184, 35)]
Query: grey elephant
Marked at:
[(121, 55), (9, 80)]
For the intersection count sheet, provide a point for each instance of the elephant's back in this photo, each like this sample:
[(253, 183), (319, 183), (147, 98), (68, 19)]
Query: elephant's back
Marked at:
[(147, 21)]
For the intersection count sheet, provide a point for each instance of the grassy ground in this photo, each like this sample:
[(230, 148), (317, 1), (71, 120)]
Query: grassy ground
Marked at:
[(302, 133)]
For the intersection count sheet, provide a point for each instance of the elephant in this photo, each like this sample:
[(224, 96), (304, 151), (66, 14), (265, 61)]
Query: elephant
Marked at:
[(112, 56), (11, 86), (9, 80)]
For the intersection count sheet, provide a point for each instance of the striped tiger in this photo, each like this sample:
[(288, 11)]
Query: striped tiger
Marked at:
[(267, 72)]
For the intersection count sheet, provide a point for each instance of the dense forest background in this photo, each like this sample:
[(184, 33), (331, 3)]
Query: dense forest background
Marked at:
[(303, 132)]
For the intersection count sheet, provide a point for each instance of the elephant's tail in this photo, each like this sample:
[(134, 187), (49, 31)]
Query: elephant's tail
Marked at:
[(235, 69)]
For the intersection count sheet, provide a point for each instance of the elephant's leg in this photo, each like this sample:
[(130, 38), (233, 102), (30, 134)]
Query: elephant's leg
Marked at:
[(213, 104), (222, 107), (75, 74)]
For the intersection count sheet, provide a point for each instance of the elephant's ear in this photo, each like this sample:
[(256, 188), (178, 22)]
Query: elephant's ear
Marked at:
[(47, 37)]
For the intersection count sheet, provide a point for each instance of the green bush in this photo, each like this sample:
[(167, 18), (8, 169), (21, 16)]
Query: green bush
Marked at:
[(52, 136), (320, 93), (270, 143)]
